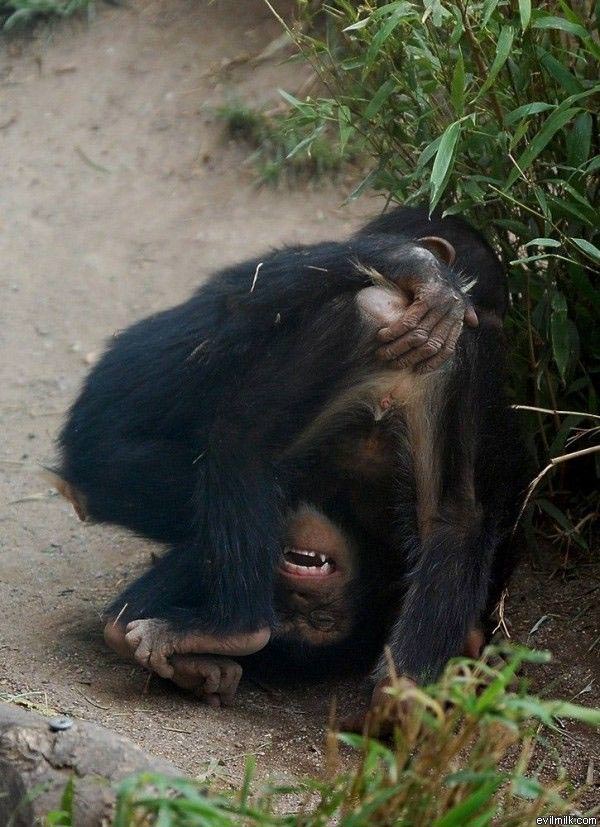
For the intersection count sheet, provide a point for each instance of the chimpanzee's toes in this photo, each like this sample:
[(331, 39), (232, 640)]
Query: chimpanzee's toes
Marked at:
[(114, 637), (150, 646)]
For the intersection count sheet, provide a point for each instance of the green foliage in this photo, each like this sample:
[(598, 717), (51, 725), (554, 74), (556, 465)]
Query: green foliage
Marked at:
[(65, 815), (488, 109), (284, 150), (439, 766), (21, 12)]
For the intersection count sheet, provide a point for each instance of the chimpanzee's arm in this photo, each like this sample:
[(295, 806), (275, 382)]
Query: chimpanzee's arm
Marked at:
[(467, 507), (218, 576), (298, 280)]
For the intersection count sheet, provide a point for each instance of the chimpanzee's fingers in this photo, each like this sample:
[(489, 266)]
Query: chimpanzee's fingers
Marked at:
[(444, 353), (159, 663), (143, 639), (114, 637), (239, 643), (418, 336), (142, 653), (214, 679), (428, 297), (134, 633), (420, 345), (471, 318), (408, 321), (438, 337), (231, 673), (138, 645), (410, 341), (200, 675), (430, 301)]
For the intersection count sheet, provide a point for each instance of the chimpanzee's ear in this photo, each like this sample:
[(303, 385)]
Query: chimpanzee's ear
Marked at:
[(440, 248)]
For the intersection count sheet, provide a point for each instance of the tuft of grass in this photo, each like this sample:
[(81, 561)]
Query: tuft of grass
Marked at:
[(15, 13), (465, 752), (278, 146)]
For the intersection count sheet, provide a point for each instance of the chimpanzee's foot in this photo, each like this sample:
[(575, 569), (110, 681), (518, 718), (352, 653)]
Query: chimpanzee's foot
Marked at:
[(153, 642), (383, 710), (212, 678)]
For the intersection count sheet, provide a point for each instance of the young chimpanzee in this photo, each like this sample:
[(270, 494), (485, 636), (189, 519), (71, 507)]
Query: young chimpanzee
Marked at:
[(331, 374)]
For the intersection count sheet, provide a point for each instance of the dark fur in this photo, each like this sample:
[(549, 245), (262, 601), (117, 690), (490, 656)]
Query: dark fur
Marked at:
[(183, 430)]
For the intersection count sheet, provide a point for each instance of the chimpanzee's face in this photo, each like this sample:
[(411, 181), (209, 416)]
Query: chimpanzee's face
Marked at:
[(318, 564)]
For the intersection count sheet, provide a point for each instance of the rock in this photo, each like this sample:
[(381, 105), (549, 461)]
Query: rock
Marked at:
[(36, 756)]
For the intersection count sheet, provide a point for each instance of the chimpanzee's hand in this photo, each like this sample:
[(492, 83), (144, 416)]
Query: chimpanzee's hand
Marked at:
[(212, 678), (152, 643), (424, 335)]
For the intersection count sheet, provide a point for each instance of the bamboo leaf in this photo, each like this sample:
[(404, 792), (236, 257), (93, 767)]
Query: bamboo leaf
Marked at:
[(378, 41), (551, 126), (488, 9), (345, 126), (428, 152), (518, 134), (559, 330), (505, 41), (433, 8), (457, 94), (588, 248), (525, 13), (366, 182), (551, 22), (544, 242), (559, 73), (442, 165), (459, 815), (563, 521), (579, 140), (360, 24), (302, 106), (564, 709), (380, 97), (527, 110)]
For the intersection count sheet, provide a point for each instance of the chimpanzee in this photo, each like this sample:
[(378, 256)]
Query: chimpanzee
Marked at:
[(333, 374), (334, 609)]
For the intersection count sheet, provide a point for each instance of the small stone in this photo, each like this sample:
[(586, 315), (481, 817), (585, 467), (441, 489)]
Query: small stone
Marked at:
[(60, 724)]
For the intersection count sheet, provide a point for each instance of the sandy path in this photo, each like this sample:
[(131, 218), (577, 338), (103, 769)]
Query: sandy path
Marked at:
[(117, 196)]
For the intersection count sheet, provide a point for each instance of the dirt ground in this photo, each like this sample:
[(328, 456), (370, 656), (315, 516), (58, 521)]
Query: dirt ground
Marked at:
[(118, 194)]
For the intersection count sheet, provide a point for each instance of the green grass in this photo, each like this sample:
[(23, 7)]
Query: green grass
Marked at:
[(14, 13), (469, 751), (277, 146)]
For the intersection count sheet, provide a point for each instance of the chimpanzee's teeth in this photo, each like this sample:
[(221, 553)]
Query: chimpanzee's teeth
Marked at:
[(304, 558)]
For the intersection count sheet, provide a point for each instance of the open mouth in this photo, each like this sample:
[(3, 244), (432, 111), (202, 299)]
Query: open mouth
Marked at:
[(301, 562)]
